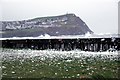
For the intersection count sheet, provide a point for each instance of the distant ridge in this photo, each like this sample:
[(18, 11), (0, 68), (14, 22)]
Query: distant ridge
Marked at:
[(68, 24)]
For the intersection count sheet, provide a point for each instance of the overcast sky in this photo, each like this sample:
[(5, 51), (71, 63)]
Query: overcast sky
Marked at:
[(101, 16)]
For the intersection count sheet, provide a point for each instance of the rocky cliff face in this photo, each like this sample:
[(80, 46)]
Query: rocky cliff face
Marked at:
[(68, 24)]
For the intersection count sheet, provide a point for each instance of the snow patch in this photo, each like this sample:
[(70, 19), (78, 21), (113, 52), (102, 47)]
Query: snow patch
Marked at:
[(53, 54), (88, 34)]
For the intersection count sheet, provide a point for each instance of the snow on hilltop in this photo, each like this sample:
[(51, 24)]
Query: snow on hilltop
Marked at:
[(68, 24)]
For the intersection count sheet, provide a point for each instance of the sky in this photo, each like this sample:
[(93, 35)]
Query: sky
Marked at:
[(101, 16)]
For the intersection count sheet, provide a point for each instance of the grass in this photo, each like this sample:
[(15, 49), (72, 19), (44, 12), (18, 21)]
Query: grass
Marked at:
[(60, 68)]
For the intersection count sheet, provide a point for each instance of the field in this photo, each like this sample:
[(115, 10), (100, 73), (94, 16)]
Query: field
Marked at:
[(28, 63)]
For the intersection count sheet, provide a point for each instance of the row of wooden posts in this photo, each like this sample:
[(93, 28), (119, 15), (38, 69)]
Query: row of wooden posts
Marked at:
[(88, 44)]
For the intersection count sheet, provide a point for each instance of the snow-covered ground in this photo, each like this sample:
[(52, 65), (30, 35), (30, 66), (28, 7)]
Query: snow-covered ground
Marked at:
[(21, 62), (87, 35), (53, 54)]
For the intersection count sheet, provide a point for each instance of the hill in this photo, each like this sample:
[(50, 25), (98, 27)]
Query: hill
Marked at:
[(68, 24)]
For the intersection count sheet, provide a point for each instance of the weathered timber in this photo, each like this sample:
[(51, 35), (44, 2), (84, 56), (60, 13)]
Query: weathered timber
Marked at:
[(85, 44)]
